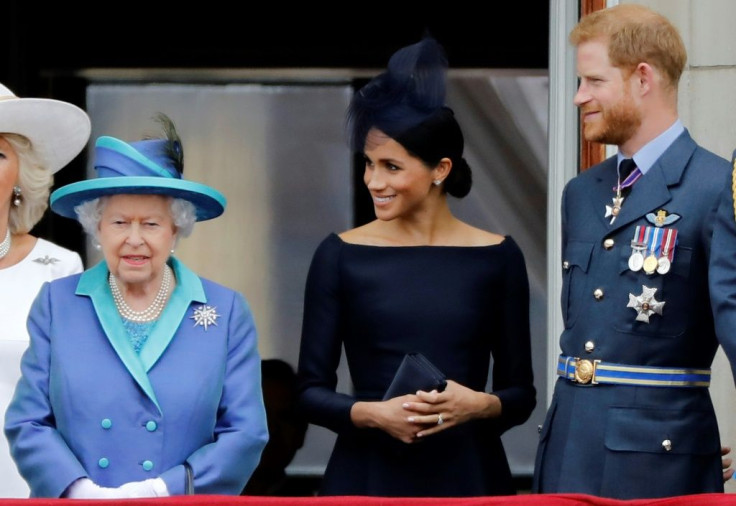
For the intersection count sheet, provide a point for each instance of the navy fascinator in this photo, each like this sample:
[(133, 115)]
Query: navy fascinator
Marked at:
[(411, 89)]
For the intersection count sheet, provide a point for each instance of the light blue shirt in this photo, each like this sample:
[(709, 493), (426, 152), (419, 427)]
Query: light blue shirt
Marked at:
[(650, 153)]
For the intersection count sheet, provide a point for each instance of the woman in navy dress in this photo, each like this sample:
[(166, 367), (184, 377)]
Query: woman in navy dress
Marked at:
[(416, 279)]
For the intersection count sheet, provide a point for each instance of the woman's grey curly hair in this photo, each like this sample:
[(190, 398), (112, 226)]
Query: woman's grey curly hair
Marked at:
[(183, 213)]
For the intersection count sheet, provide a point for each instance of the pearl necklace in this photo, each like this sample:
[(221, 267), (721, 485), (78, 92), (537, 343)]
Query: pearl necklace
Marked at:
[(153, 311), (5, 245)]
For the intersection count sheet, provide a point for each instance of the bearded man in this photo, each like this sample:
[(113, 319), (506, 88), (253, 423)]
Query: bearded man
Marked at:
[(631, 415)]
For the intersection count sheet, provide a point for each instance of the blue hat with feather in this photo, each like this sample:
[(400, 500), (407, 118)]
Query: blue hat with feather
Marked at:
[(149, 167)]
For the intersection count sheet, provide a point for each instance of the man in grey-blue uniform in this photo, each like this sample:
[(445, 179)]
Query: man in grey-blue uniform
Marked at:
[(631, 415), (723, 270)]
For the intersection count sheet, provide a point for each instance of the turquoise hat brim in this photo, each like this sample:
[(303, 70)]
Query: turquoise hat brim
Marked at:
[(208, 202)]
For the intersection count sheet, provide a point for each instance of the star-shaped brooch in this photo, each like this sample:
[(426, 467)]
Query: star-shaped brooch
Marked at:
[(645, 304), (205, 316), (46, 260)]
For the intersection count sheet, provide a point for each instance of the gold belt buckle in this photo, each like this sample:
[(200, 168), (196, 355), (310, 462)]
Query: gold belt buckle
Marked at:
[(585, 371)]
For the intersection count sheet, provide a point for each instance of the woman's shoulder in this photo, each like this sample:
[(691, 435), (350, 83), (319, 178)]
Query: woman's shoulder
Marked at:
[(44, 246), (218, 294), (60, 260), (469, 235), (369, 234)]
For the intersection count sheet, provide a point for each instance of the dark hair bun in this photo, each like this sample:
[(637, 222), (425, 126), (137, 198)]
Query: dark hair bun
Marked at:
[(460, 179)]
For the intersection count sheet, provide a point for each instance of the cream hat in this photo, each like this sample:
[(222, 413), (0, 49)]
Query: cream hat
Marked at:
[(58, 130)]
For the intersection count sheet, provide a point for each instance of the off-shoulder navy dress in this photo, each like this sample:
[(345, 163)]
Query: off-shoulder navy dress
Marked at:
[(459, 306)]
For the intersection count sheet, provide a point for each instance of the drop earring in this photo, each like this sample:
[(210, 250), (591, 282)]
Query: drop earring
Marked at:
[(17, 197)]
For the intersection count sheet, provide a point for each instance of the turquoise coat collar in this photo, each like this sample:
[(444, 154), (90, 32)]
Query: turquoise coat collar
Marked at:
[(93, 283)]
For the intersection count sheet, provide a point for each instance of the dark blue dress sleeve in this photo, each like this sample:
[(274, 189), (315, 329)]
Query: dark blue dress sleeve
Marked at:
[(513, 377), (321, 342)]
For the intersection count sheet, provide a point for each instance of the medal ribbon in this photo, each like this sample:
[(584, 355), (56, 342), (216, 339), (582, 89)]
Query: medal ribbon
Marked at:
[(630, 180), (668, 243), (638, 239), (653, 244)]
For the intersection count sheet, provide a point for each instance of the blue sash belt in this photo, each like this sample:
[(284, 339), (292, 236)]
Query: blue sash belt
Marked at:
[(593, 372)]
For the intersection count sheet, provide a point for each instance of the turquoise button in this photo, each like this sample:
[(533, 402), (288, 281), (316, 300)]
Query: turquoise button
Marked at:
[(103, 462), (106, 423), (151, 426), (147, 465)]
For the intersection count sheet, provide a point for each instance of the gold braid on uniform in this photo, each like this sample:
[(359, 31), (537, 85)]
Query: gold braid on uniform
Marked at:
[(733, 186)]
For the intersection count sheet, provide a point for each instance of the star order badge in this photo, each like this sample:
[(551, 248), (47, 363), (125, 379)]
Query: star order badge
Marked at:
[(645, 304), (612, 211), (205, 316)]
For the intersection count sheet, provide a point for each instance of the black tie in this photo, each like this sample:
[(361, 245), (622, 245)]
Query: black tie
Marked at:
[(625, 169)]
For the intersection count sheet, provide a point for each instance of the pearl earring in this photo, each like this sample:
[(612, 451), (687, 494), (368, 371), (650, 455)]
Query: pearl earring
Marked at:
[(17, 198), (437, 182)]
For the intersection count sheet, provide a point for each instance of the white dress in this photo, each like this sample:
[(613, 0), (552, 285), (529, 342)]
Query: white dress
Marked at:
[(19, 285)]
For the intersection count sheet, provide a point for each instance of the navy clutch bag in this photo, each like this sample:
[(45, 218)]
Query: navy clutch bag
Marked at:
[(416, 372)]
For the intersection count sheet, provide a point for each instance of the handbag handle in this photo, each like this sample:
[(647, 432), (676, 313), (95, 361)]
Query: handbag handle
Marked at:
[(189, 487)]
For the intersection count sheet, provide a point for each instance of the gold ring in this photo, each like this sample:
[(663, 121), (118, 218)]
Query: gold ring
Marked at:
[(440, 421)]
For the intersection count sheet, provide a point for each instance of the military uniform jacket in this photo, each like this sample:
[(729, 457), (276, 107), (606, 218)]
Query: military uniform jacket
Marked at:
[(626, 441), (88, 405)]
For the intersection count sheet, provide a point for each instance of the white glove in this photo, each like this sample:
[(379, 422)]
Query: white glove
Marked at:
[(84, 488), (153, 487)]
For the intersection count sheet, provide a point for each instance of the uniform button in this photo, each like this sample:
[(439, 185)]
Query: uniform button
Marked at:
[(667, 445), (151, 426), (589, 346), (608, 243), (598, 294), (103, 463), (106, 423), (565, 265), (539, 429), (147, 465)]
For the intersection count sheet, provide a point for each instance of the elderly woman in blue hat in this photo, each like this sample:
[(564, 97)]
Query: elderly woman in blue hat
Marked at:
[(142, 379)]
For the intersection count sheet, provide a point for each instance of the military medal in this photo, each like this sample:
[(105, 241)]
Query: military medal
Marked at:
[(618, 201), (613, 211), (664, 264), (645, 304), (668, 242), (636, 260), (650, 262)]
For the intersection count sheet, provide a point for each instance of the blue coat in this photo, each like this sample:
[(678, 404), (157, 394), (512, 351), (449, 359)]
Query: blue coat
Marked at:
[(88, 405), (626, 441)]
